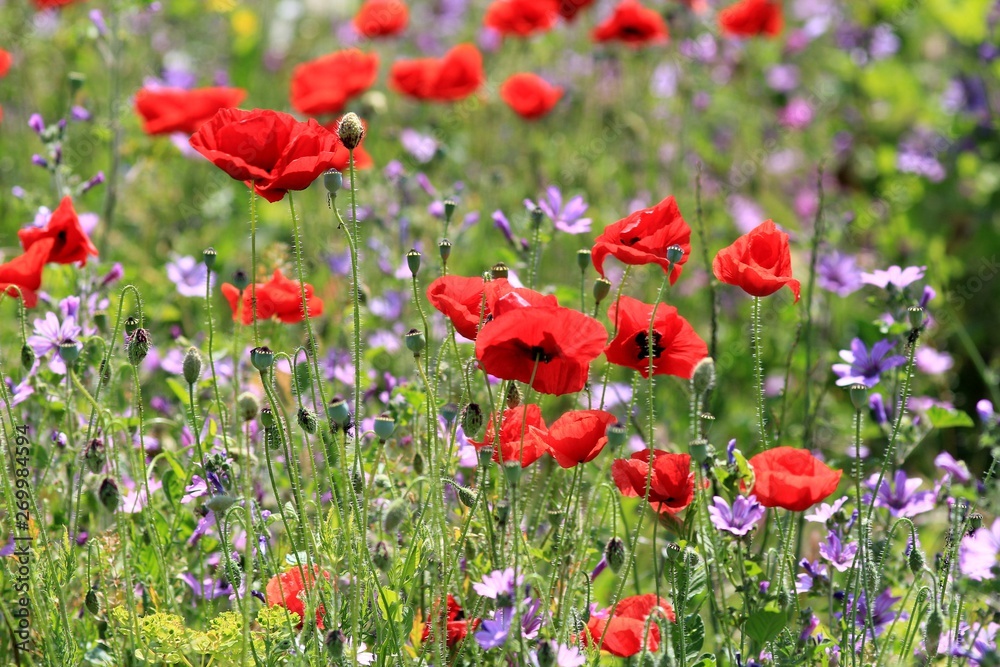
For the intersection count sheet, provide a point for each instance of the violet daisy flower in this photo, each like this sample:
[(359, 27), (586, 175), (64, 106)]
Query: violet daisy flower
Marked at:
[(739, 519), (566, 218), (864, 366), (493, 632), (838, 273), (188, 275), (840, 555), (497, 583), (977, 554), (49, 334), (895, 276), (901, 496)]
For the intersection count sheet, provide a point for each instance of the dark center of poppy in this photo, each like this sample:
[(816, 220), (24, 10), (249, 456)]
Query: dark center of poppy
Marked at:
[(642, 341), (632, 31), (539, 354)]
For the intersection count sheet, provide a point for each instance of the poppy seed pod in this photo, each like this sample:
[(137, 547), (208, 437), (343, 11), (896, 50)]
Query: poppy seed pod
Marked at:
[(859, 396), (261, 357), (614, 553), (191, 367), (499, 270), (108, 494), (536, 217), (486, 455), (333, 181), (208, 255), (675, 253), (602, 287), (583, 258), (137, 347), (337, 411), (616, 435), (247, 406), (413, 261), (384, 426), (307, 420), (449, 209), (69, 352), (916, 316), (444, 250), (350, 130), (466, 495), (502, 512), (512, 471), (92, 602), (266, 417), (240, 279), (699, 450), (415, 341), (449, 411), (131, 324)]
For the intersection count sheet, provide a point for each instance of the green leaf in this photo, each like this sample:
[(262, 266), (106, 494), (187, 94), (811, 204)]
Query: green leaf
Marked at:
[(764, 625), (945, 418), (388, 604), (706, 660), (180, 391)]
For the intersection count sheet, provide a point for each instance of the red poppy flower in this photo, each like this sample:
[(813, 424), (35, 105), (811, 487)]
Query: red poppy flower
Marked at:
[(677, 347), (167, 110), (268, 150), (526, 417), (747, 18), (290, 590), (25, 271), (521, 17), (633, 24), (5, 62), (502, 297), (460, 299), (560, 342), (568, 9), (759, 262), (52, 4), (578, 436), (529, 95), (643, 238), (792, 478), (279, 297), (671, 486), (324, 85), (623, 632), (381, 18), (457, 625), (455, 76), (71, 243)]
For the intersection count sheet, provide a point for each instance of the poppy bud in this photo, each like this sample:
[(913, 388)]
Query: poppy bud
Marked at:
[(338, 412), (932, 636), (76, 81), (69, 352), (334, 641), (384, 426), (472, 420), (333, 180), (272, 436), (220, 503), (916, 316), (444, 249), (703, 377), (502, 512), (499, 270), (583, 258), (675, 253), (266, 417), (350, 130), (131, 324), (233, 571), (916, 560), (513, 397), (94, 456), (303, 377), (247, 406), (546, 654), (466, 495), (108, 494), (92, 602), (395, 514), (261, 357), (413, 261), (208, 255), (449, 209), (602, 287), (381, 557), (307, 420), (101, 320), (536, 217), (616, 435), (614, 553), (27, 356), (357, 481), (137, 347), (449, 411), (192, 365), (415, 341), (418, 463), (646, 659), (512, 471), (240, 279)]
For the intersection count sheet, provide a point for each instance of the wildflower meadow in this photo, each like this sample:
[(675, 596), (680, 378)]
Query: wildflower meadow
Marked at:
[(659, 333)]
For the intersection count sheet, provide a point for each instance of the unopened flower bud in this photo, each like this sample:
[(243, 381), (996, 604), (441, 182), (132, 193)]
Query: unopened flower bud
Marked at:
[(499, 270), (303, 377), (247, 406), (444, 250), (333, 180), (415, 341), (512, 471), (261, 357), (472, 420), (703, 378), (614, 553), (583, 258), (94, 455), (381, 557), (192, 365), (466, 495), (27, 356), (384, 426), (449, 411), (418, 463), (92, 601), (502, 512), (209, 256), (108, 494), (266, 417), (513, 396), (413, 261), (602, 287), (334, 641), (546, 653), (395, 514), (350, 130), (932, 636), (137, 347), (675, 253), (916, 560), (307, 420)]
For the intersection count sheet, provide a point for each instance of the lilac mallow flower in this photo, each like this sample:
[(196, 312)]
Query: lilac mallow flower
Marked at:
[(497, 583), (838, 273), (824, 513), (49, 334), (188, 275), (739, 519), (953, 468), (566, 218), (895, 276), (864, 366), (493, 632), (882, 613), (978, 553), (815, 572), (932, 362), (840, 555), (423, 147), (901, 497)]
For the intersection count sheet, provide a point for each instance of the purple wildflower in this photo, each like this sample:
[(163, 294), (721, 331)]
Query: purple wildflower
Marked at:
[(815, 572), (932, 362), (877, 407), (49, 334), (497, 583), (977, 554), (208, 589), (566, 218), (840, 555), (864, 367), (423, 147), (826, 512), (952, 467), (500, 222), (838, 273), (188, 275), (881, 614), (493, 632), (895, 276), (739, 519), (901, 496)]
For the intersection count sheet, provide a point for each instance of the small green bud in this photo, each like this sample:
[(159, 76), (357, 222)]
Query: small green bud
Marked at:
[(536, 217), (499, 270), (384, 426), (583, 258), (449, 209), (395, 515), (381, 557), (502, 512), (192, 365), (602, 287), (859, 396), (444, 250), (108, 494), (485, 455), (916, 560), (418, 463), (247, 406), (472, 420), (94, 456), (337, 411), (617, 434), (335, 641), (932, 636), (266, 417), (350, 130), (131, 324), (513, 396), (413, 261), (137, 347), (466, 495), (703, 377), (76, 81), (69, 352), (916, 317), (92, 601), (208, 255), (512, 471), (415, 341), (233, 571), (27, 356), (614, 553), (307, 420), (261, 357), (272, 436), (333, 181), (675, 253), (240, 279)]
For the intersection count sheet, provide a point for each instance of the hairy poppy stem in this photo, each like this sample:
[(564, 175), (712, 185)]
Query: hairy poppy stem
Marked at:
[(253, 265), (755, 342)]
